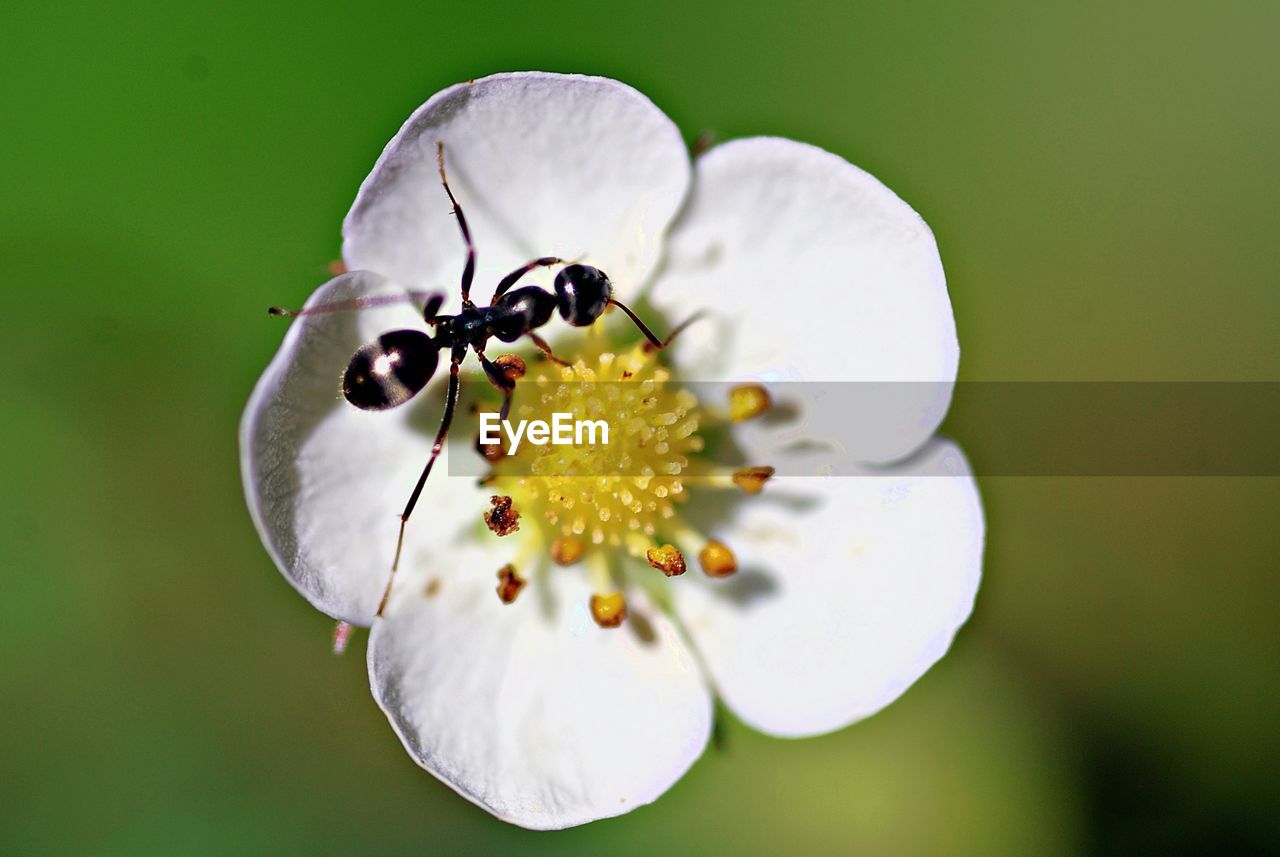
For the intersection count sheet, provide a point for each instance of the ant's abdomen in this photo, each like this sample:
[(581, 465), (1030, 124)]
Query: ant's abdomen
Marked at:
[(390, 370)]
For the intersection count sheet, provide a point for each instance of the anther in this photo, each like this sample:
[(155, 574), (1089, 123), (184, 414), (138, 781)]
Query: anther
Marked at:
[(717, 560), (502, 516), (751, 479), (509, 583), (608, 610), (566, 550), (747, 401), (512, 366), (666, 559), (491, 452)]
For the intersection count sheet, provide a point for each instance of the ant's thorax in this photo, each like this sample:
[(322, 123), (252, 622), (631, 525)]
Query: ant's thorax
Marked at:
[(471, 327)]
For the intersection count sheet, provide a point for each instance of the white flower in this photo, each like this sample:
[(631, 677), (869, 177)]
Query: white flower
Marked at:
[(809, 268)]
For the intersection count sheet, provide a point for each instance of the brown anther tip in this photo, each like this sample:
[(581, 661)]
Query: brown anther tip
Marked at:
[(490, 451), (336, 268), (512, 366), (608, 610), (509, 583), (566, 550), (666, 559), (502, 517), (747, 401), (279, 310), (751, 479), (717, 560)]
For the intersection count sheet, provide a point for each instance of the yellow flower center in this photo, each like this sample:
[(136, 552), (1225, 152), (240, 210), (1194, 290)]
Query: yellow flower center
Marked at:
[(618, 494), (611, 501)]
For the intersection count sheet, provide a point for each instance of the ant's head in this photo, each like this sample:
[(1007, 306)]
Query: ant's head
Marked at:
[(390, 370), (582, 293)]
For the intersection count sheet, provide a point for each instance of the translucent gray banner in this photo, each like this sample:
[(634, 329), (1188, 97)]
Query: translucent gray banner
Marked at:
[(1004, 428)]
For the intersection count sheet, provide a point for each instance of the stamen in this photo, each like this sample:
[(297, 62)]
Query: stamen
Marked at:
[(566, 550), (509, 583), (491, 452), (502, 518), (751, 479), (717, 560), (608, 610), (747, 401), (512, 366), (666, 559)]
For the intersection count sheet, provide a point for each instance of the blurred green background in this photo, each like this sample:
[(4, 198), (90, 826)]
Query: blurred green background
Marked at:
[(1104, 185)]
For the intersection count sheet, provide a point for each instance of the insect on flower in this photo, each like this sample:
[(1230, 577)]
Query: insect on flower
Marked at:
[(393, 368), (554, 635)]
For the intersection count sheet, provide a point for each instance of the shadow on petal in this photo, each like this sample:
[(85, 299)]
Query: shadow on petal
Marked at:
[(642, 628), (750, 586)]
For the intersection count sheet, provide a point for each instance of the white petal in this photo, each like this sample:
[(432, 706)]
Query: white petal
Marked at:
[(542, 164), (814, 271), (850, 588), (529, 709), (325, 482)]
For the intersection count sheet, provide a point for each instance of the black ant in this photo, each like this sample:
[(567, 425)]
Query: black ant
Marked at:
[(393, 368)]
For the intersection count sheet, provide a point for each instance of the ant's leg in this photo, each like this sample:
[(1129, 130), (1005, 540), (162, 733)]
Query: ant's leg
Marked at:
[(546, 349), (498, 379), (450, 405), (511, 279), (468, 270), (360, 303), (654, 342), (431, 308)]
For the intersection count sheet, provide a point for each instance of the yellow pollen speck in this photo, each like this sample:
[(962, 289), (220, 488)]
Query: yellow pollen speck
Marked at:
[(751, 479), (717, 560), (608, 610), (747, 401), (666, 559)]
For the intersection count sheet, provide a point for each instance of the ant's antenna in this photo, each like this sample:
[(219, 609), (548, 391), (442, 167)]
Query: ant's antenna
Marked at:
[(654, 342)]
